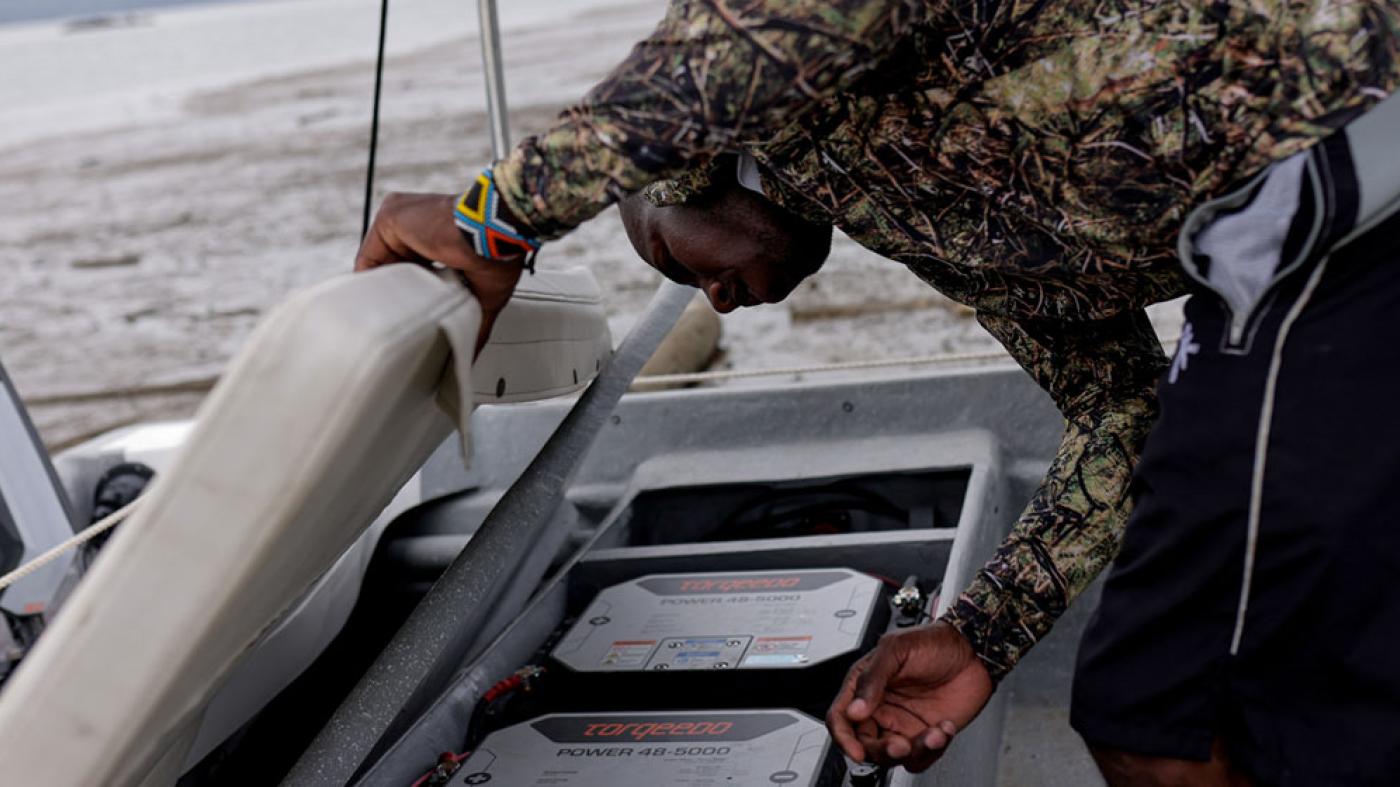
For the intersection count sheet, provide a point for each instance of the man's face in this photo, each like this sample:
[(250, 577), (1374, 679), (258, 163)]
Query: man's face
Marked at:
[(735, 247)]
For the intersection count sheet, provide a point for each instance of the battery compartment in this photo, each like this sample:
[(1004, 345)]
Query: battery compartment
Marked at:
[(888, 526), (822, 507), (567, 677)]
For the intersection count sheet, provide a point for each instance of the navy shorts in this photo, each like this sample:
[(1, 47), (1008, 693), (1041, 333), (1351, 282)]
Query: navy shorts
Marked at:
[(1256, 597)]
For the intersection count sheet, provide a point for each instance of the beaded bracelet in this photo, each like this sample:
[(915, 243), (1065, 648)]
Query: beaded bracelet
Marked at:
[(478, 216)]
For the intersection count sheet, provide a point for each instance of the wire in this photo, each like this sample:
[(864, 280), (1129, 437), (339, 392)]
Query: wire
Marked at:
[(503, 688), (523, 680), (203, 384), (78, 539), (374, 114), (446, 766), (890, 582), (721, 375), (690, 378)]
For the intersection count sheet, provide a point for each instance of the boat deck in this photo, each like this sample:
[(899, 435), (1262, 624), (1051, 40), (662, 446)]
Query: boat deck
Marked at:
[(963, 449), (1038, 748)]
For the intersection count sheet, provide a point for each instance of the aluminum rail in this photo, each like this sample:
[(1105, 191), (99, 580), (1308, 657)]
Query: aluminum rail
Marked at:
[(416, 665), (494, 71), (34, 510)]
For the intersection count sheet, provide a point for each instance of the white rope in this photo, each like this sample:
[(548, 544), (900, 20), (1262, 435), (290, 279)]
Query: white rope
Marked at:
[(947, 359), (786, 371), (78, 539)]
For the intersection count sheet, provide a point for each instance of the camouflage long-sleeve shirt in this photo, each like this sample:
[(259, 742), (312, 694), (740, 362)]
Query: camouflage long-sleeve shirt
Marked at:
[(1033, 160)]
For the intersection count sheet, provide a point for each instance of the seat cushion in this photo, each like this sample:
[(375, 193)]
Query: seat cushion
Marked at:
[(329, 407)]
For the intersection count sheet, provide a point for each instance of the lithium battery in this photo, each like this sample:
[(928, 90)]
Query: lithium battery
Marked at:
[(680, 749), (740, 621)]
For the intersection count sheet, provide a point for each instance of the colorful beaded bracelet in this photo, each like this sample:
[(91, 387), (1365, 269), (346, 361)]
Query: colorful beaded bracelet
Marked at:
[(478, 216)]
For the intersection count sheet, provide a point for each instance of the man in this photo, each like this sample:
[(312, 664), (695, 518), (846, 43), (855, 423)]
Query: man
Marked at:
[(1037, 162)]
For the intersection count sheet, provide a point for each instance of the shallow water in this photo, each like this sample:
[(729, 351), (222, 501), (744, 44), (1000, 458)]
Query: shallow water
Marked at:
[(139, 68), (29, 10)]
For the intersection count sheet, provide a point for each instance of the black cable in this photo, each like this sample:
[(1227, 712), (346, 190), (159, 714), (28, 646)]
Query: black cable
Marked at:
[(374, 114)]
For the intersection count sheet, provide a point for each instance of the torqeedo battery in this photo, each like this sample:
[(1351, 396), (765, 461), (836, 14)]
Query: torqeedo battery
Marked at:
[(679, 749), (770, 638)]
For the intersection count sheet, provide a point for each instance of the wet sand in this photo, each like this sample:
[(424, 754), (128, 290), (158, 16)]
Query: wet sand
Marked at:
[(144, 254)]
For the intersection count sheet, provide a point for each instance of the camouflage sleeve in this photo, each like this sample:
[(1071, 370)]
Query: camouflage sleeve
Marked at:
[(713, 75), (1102, 376)]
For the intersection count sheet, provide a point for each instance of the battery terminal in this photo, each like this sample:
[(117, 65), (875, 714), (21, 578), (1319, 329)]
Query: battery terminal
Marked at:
[(863, 774), (442, 773), (530, 676), (908, 603)]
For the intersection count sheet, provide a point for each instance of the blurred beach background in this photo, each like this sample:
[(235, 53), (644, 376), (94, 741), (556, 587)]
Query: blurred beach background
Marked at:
[(171, 170)]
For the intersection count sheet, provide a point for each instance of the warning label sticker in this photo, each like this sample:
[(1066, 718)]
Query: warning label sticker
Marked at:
[(681, 653), (778, 651), (629, 653)]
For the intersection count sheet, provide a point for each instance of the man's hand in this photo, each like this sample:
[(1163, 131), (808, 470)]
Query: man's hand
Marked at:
[(904, 701), (420, 228)]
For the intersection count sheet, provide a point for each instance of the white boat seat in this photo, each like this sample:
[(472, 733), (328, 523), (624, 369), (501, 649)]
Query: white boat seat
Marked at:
[(550, 340), (330, 406)]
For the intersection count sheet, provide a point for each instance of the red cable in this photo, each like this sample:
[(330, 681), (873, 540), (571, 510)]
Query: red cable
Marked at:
[(445, 758), (887, 580), (501, 689)]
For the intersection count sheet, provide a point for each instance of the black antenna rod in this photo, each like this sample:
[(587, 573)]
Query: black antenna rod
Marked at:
[(374, 114)]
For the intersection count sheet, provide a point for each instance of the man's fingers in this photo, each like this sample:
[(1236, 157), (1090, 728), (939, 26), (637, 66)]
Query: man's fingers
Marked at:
[(898, 747), (870, 684), (483, 334), (382, 244), (929, 745), (845, 736), (373, 252), (846, 740), (872, 742), (837, 716), (914, 753), (883, 747)]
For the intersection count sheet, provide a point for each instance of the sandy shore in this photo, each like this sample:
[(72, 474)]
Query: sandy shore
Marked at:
[(146, 253)]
